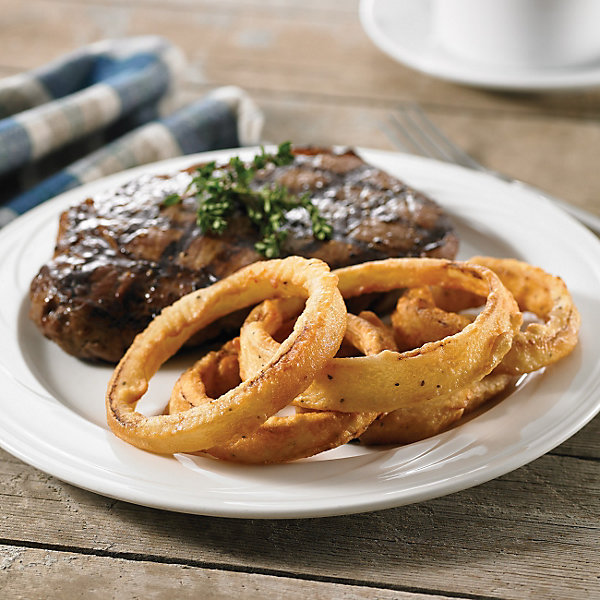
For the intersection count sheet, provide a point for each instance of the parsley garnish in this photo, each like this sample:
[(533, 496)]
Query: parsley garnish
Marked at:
[(219, 191)]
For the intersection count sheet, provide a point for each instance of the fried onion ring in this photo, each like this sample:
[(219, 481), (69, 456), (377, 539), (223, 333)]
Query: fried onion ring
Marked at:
[(430, 417), (537, 292), (315, 339), (364, 332), (436, 368), (417, 320), (402, 426), (281, 438), (547, 297)]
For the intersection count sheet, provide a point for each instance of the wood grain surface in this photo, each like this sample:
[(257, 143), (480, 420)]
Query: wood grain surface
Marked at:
[(531, 534)]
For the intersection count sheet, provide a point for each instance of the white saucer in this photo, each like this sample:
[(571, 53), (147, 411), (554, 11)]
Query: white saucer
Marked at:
[(402, 29)]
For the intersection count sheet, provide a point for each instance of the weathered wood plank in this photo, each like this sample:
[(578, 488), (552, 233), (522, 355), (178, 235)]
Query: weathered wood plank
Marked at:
[(531, 149), (292, 67), (31, 573), (530, 534), (584, 443), (279, 46)]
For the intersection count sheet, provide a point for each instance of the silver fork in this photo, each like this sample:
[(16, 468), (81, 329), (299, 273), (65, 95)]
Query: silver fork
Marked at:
[(411, 130)]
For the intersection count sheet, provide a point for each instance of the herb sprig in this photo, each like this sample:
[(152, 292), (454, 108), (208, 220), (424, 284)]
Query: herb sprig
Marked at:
[(219, 191)]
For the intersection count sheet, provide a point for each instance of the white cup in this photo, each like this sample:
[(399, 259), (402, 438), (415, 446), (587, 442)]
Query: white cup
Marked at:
[(519, 33)]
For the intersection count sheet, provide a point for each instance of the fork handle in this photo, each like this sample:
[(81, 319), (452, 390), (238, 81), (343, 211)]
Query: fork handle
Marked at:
[(590, 220)]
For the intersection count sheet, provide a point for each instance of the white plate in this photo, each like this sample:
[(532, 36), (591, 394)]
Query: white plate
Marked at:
[(52, 405), (402, 29)]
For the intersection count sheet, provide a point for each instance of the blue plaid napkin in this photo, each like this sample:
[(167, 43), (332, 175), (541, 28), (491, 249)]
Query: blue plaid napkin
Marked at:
[(115, 104)]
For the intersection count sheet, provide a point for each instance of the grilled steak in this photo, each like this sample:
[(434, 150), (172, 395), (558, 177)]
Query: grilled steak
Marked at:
[(122, 256)]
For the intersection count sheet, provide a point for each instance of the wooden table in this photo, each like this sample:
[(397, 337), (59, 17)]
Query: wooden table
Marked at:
[(530, 534)]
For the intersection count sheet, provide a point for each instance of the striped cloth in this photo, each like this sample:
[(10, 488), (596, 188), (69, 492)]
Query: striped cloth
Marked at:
[(114, 104)]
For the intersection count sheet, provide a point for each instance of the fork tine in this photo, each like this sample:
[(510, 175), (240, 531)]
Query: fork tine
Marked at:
[(444, 146), (402, 134), (409, 119), (431, 135), (412, 130)]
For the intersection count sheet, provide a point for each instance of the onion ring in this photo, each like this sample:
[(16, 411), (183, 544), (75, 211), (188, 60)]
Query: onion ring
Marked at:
[(364, 332), (315, 339), (417, 320), (402, 426), (430, 417), (546, 296), (436, 368), (537, 292), (281, 438)]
